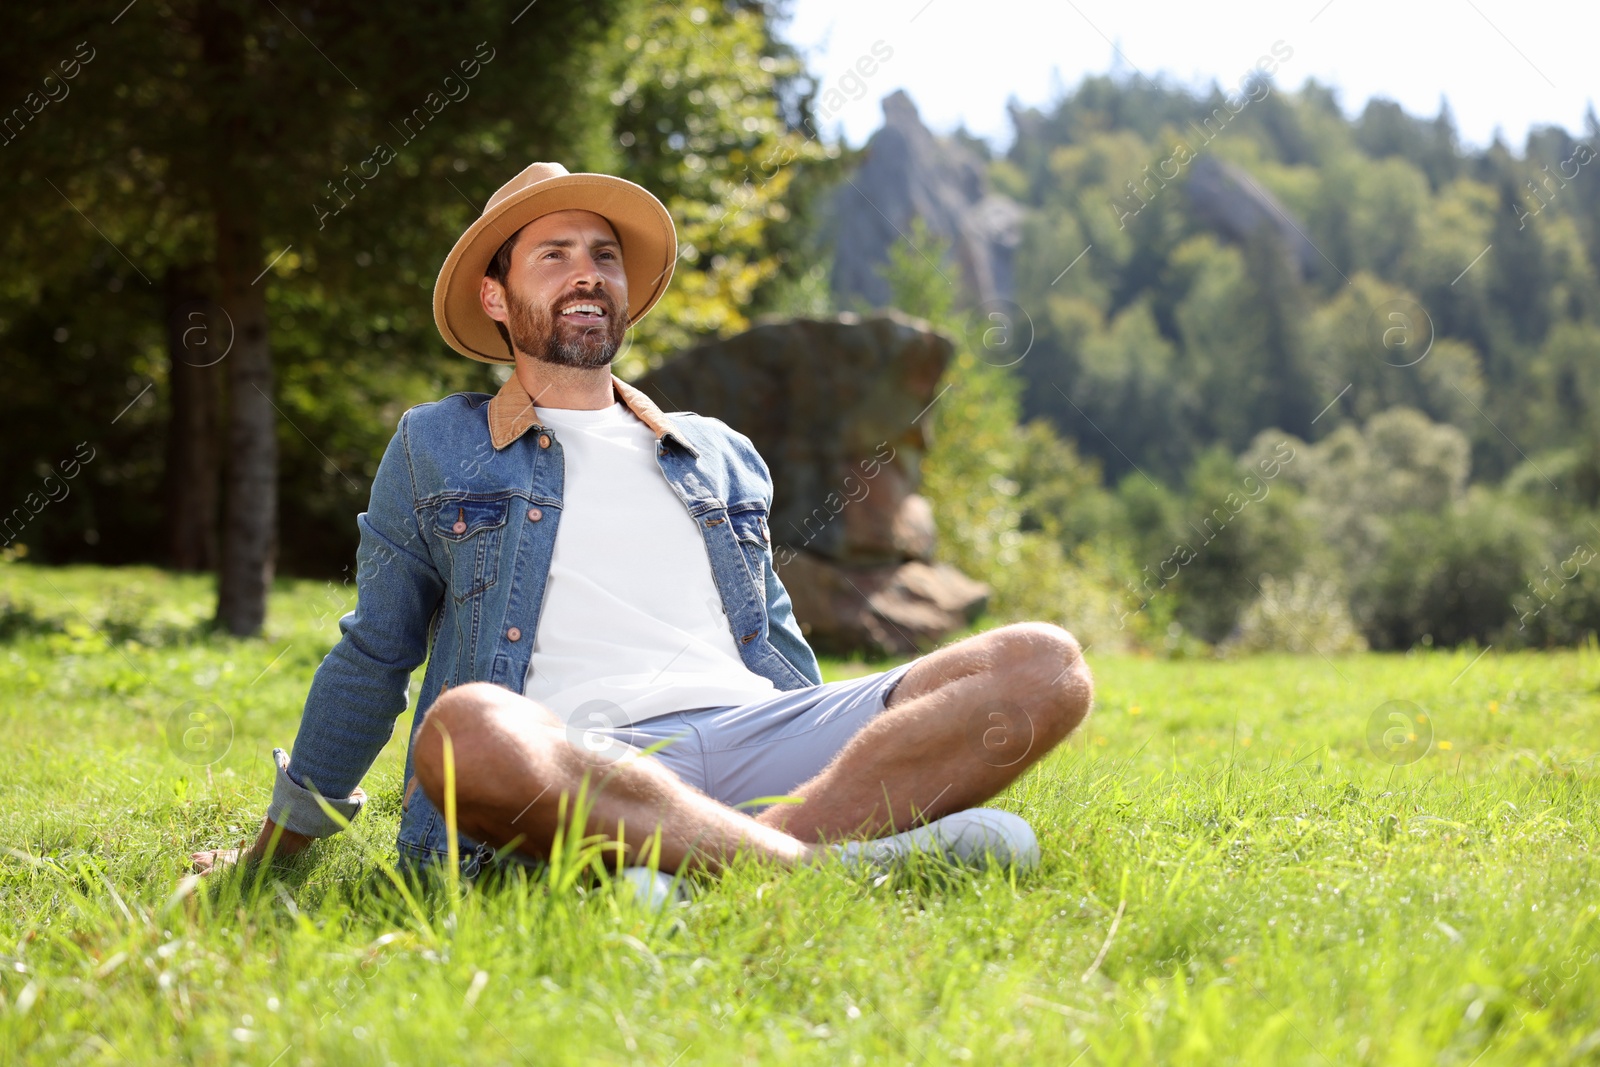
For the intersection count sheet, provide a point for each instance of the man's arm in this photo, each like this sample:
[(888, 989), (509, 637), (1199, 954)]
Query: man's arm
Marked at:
[(360, 688)]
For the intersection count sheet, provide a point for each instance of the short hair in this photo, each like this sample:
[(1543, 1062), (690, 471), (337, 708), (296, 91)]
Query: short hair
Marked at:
[(499, 267)]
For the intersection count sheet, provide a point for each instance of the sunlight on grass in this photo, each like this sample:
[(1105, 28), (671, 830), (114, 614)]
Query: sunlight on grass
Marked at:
[(1230, 874)]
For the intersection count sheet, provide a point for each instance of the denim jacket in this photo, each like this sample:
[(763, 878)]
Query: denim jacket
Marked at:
[(455, 550)]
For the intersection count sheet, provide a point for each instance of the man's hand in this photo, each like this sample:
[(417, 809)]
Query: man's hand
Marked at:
[(216, 859), (219, 859)]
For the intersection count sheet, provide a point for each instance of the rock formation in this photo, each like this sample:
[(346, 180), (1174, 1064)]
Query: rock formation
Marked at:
[(837, 408), (1230, 202), (908, 172)]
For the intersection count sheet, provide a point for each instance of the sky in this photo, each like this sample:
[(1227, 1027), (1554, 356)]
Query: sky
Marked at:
[(1502, 65)]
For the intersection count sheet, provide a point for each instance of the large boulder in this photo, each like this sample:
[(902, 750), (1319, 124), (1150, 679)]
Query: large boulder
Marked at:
[(838, 408), (891, 609)]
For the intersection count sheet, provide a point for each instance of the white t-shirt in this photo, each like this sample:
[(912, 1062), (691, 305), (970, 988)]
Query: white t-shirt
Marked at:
[(632, 624)]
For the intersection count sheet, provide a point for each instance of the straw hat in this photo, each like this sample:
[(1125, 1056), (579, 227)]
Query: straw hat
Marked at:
[(643, 226)]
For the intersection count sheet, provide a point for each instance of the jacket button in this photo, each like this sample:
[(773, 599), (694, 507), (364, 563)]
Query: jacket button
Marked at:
[(534, 514), (544, 440), (458, 527), (514, 634)]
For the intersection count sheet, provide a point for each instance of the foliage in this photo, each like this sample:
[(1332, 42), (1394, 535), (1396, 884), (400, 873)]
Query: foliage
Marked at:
[(1066, 476), (973, 449), (707, 122), (1169, 337), (699, 121), (1304, 613), (996, 492), (1390, 366), (1238, 525), (1359, 480), (1451, 576)]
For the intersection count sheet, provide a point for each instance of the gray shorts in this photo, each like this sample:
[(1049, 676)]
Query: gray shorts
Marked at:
[(764, 749), (737, 754)]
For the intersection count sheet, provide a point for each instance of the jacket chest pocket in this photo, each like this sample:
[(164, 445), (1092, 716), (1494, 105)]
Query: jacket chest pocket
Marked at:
[(470, 531)]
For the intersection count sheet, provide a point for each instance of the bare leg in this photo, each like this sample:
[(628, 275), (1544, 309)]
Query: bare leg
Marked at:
[(963, 723), (514, 762)]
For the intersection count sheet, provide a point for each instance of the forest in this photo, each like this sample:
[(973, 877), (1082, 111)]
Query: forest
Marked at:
[(1392, 413), (1371, 425)]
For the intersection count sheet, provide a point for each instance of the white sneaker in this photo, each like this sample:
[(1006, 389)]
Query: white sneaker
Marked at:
[(974, 836), (653, 889)]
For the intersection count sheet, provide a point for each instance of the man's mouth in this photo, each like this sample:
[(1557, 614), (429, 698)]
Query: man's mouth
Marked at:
[(583, 312)]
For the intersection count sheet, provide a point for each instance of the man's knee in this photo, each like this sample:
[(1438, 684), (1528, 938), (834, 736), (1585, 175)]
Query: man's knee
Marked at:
[(460, 715), (1044, 665)]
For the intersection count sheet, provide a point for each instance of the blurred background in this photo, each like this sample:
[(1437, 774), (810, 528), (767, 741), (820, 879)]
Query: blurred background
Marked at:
[(1272, 327)]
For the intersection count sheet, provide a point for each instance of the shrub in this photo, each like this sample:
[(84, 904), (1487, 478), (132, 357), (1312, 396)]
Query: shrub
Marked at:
[(1451, 576), (1305, 613), (1560, 605)]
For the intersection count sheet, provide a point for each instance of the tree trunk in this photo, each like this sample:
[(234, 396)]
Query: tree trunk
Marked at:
[(249, 529), (197, 340), (250, 510)]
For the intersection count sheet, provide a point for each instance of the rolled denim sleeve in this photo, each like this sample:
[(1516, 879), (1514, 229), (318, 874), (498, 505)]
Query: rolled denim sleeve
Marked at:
[(294, 807), (361, 686)]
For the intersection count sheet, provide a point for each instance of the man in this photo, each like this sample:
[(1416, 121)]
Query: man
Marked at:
[(590, 578)]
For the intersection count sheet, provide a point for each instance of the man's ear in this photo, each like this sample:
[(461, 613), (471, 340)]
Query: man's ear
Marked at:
[(492, 295)]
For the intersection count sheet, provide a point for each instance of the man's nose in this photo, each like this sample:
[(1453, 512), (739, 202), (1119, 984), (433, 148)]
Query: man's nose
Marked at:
[(587, 272)]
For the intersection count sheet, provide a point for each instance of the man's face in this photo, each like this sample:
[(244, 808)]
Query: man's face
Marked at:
[(566, 295)]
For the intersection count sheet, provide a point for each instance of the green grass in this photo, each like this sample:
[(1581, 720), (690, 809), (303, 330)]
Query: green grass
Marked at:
[(1283, 896)]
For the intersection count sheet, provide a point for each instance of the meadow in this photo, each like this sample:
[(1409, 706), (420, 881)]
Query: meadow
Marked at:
[(1288, 860)]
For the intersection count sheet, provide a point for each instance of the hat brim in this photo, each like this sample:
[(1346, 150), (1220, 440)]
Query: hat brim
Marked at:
[(642, 223)]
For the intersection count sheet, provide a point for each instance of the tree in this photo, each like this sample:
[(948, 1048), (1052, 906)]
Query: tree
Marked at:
[(700, 96), (249, 144)]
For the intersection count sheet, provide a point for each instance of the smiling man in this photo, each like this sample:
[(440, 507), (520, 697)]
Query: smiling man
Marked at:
[(589, 578)]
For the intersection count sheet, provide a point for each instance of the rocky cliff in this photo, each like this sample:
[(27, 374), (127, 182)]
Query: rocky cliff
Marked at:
[(908, 172), (1228, 201)]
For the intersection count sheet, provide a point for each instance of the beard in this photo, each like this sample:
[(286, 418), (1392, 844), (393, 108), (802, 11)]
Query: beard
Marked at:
[(539, 331)]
